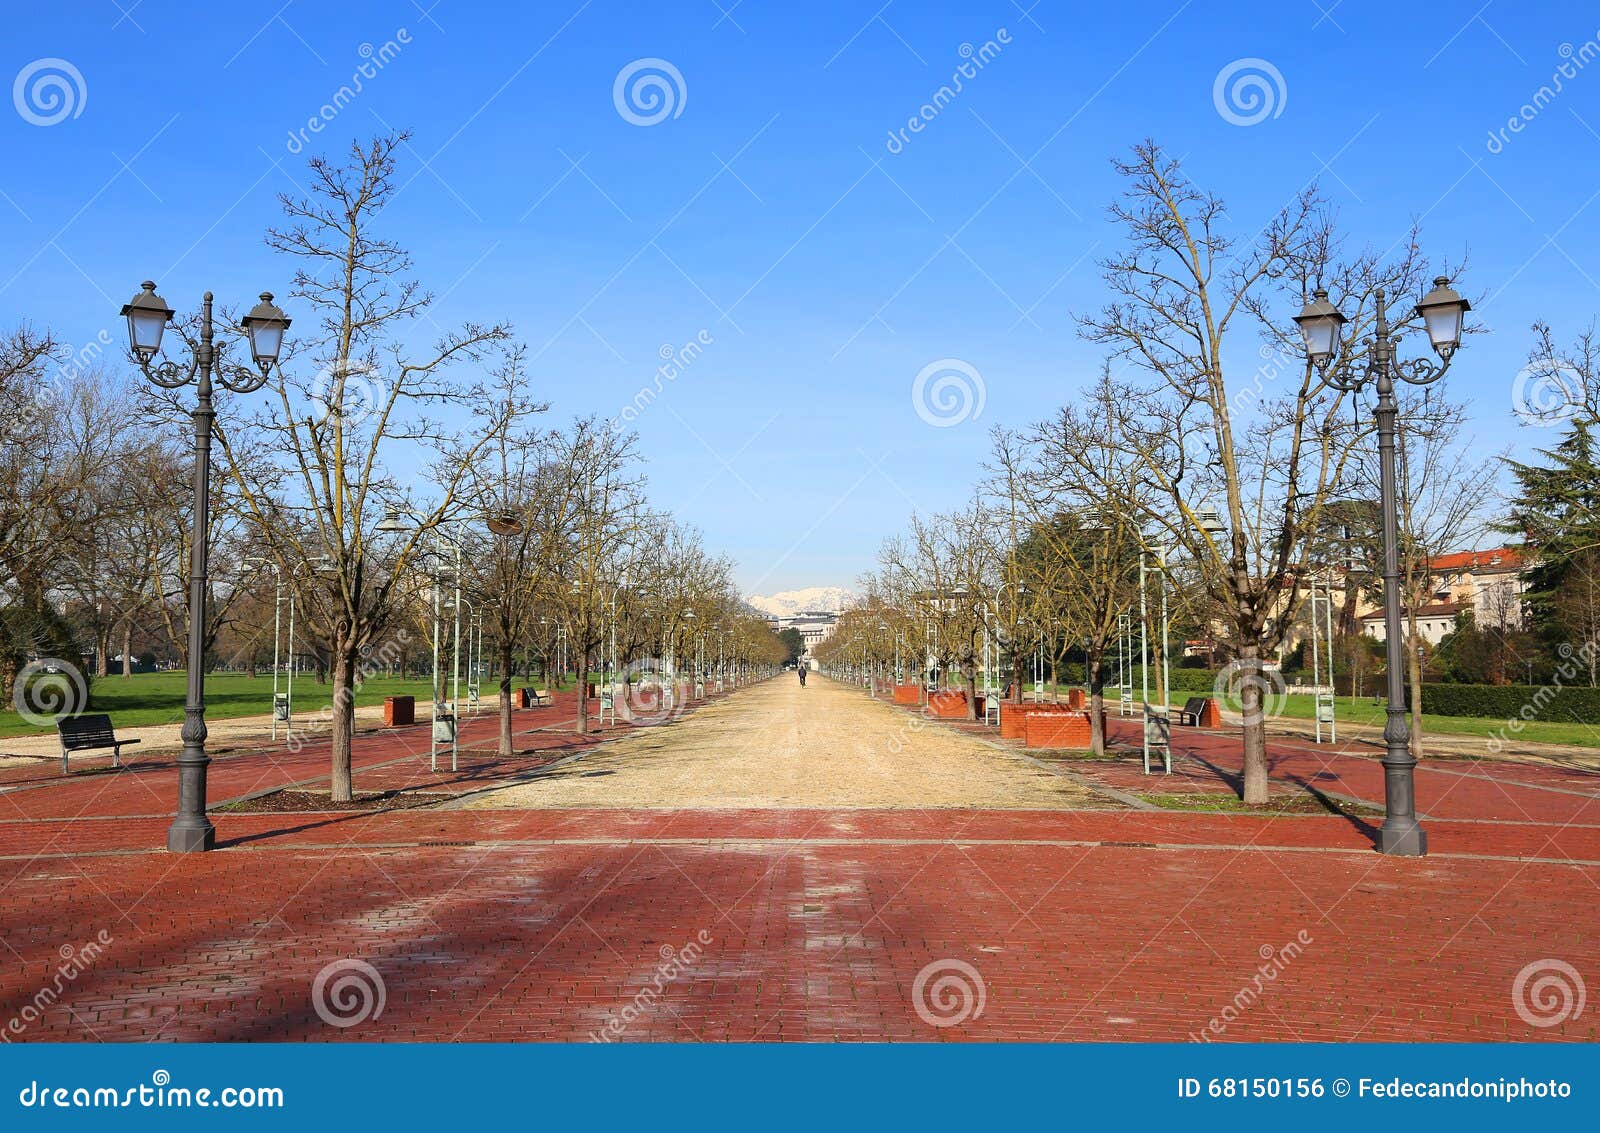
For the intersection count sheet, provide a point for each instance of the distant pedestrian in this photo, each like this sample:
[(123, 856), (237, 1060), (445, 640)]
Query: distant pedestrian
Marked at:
[(802, 669)]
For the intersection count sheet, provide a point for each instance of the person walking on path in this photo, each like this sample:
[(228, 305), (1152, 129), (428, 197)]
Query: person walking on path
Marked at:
[(801, 668)]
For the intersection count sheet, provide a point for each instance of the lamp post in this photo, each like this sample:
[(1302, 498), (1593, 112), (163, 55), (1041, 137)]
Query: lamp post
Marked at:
[(323, 564), (394, 523), (148, 315), (277, 627), (1442, 311), (1020, 592), (1160, 722), (688, 648)]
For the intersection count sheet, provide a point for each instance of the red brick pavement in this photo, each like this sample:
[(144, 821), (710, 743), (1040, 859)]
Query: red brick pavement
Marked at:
[(815, 924)]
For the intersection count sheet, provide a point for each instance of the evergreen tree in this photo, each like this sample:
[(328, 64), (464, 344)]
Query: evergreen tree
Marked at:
[(1556, 509)]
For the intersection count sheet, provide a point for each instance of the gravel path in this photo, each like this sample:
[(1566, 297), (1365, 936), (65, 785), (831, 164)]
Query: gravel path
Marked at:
[(780, 745)]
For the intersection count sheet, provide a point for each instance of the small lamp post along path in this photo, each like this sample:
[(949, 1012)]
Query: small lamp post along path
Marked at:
[(395, 521), (148, 315), (1441, 311)]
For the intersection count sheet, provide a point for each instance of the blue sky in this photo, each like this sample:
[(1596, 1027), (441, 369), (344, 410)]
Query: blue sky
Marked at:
[(768, 213)]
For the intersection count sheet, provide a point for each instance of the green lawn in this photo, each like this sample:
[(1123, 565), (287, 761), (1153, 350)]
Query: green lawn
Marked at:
[(157, 698), (1364, 711)]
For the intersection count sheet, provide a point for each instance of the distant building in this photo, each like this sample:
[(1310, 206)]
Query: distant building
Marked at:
[(814, 626), (1435, 621), (1487, 584)]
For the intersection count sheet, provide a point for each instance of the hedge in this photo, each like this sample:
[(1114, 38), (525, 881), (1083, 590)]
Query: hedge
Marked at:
[(1572, 705)]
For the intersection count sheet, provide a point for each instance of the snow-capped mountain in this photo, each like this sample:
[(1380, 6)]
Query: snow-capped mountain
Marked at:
[(830, 599)]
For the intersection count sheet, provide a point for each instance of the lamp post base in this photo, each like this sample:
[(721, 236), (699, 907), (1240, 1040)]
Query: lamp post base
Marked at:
[(1405, 841), (191, 838)]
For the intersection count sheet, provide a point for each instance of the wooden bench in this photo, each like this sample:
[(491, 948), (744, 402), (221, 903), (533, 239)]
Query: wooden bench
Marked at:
[(1190, 712), (89, 733), (533, 698)]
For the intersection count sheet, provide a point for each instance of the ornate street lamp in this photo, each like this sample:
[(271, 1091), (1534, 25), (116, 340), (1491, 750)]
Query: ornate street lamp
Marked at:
[(148, 315), (1321, 325)]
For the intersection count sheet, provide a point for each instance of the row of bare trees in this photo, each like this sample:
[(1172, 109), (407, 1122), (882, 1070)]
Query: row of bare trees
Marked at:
[(1209, 446), (388, 456)]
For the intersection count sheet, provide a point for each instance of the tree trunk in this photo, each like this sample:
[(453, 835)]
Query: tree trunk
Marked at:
[(127, 648), (971, 674), (505, 698), (343, 721), (1414, 676), (1255, 724), (1095, 663), (583, 696), (102, 651)]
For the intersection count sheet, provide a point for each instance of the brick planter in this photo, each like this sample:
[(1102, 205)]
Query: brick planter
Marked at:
[(399, 711), (1075, 699), (1014, 716), (1057, 729), (948, 705), (1210, 715), (907, 694)]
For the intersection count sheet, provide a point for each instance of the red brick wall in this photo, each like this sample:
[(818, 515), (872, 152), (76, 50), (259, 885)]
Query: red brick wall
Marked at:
[(1057, 729), (949, 705)]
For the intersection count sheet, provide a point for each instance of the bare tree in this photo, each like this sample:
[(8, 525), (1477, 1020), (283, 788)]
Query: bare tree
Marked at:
[(1270, 454), (317, 470)]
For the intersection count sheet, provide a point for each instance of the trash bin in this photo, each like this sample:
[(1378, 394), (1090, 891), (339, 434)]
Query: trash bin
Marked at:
[(444, 723), (280, 707)]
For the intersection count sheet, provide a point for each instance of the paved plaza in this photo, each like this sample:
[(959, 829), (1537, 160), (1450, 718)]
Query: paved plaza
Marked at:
[(792, 864)]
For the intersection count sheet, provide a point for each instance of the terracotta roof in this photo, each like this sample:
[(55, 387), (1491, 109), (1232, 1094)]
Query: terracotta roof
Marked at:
[(1496, 558)]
